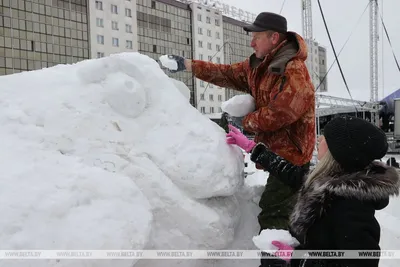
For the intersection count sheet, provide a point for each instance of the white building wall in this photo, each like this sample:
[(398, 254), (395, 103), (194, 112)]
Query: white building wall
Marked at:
[(317, 71), (323, 68), (315, 65), (113, 27), (208, 46)]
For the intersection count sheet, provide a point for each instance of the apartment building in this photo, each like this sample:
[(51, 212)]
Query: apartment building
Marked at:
[(237, 46), (113, 27), (42, 33), (322, 70), (208, 45), (316, 65), (164, 27)]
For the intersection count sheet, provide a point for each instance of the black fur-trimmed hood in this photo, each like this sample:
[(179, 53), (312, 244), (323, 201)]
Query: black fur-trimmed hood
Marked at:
[(375, 183)]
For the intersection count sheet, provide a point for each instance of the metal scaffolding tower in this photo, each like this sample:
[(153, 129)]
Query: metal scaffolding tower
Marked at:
[(373, 46), (308, 31)]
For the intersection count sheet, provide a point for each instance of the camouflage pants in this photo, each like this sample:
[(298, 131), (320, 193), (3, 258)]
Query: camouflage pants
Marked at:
[(276, 203)]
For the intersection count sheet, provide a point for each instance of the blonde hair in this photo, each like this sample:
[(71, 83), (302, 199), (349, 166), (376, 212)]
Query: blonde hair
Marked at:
[(327, 166)]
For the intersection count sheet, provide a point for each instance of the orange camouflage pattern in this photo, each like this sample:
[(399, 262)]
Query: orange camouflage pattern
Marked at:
[(284, 95)]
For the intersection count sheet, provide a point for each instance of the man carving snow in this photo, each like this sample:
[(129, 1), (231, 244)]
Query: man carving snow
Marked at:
[(284, 119)]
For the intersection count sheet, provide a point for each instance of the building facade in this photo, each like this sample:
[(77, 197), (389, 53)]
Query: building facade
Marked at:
[(237, 46), (316, 65), (164, 27), (208, 45), (323, 81), (42, 33), (113, 27)]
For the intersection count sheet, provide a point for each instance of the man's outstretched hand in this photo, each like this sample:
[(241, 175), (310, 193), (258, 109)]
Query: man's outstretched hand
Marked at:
[(181, 63)]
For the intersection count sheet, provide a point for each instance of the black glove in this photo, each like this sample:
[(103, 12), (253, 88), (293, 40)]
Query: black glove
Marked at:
[(180, 62)]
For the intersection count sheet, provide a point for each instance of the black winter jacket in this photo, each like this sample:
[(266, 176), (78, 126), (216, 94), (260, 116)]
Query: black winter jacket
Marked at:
[(334, 213)]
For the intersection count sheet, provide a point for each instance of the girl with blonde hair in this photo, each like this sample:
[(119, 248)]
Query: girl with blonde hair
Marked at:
[(337, 200)]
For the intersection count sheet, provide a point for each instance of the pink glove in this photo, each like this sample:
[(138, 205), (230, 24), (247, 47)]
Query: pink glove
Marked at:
[(284, 251), (235, 137)]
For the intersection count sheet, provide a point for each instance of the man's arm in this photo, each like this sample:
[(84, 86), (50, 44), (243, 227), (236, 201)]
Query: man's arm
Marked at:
[(291, 98), (277, 166), (223, 75)]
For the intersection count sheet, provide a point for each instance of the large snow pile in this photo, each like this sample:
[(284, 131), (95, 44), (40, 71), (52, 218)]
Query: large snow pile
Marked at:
[(109, 154)]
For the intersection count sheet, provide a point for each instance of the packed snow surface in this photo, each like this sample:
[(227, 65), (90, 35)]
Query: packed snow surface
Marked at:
[(109, 154), (182, 88), (239, 105)]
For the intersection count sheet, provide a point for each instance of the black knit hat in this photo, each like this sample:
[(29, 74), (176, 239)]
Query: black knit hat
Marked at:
[(268, 21), (354, 143)]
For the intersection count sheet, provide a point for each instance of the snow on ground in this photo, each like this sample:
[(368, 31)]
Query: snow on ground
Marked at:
[(389, 219), (109, 154)]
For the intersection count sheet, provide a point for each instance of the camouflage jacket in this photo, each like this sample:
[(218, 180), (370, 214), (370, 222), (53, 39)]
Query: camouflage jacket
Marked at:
[(284, 119)]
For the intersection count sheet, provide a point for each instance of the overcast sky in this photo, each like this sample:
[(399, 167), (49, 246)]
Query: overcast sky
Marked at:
[(342, 17)]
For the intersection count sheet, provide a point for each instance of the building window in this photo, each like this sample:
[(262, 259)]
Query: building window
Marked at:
[(220, 98), (153, 4), (128, 28), (200, 30), (114, 25), (100, 54), (211, 109), (218, 47), (199, 17), (128, 12), (217, 35), (201, 96), (219, 110), (208, 20), (201, 56), (154, 49), (99, 5), (217, 22), (200, 43), (129, 44), (203, 109), (100, 39), (114, 9), (211, 96), (209, 46), (209, 33), (201, 83), (209, 58), (218, 60), (115, 42), (99, 22)]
